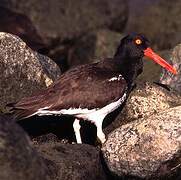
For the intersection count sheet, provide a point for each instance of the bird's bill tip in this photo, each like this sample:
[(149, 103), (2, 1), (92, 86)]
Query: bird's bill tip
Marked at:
[(159, 60)]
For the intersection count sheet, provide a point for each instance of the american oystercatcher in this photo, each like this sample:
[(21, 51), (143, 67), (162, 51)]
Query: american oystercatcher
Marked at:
[(90, 92)]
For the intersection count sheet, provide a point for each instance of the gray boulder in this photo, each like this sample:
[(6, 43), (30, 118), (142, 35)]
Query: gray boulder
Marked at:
[(173, 81), (153, 20), (94, 46), (18, 24), (18, 160), (54, 27), (147, 99), (57, 20), (146, 148), (72, 161), (23, 71), (150, 99)]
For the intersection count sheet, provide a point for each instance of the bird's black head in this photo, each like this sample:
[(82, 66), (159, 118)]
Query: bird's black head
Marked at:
[(132, 46), (130, 52)]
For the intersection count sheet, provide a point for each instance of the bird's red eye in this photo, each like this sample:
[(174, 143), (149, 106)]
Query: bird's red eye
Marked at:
[(138, 41)]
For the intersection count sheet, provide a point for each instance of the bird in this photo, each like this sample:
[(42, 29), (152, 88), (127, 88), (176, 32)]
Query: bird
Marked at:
[(90, 92)]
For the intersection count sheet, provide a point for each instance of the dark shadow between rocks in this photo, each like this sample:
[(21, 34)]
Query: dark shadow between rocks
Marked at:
[(38, 126), (162, 85), (61, 126)]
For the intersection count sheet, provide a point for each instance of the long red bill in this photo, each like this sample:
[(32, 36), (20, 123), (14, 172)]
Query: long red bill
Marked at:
[(152, 55)]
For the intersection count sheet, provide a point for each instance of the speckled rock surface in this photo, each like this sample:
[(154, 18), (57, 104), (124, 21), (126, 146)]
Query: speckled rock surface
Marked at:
[(22, 70), (72, 161), (173, 81), (146, 148), (146, 99), (18, 160)]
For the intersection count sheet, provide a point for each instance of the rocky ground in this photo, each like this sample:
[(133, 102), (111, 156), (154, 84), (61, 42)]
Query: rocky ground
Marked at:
[(19, 160), (146, 148), (143, 138)]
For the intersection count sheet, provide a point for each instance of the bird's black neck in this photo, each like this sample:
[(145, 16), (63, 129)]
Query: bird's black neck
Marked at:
[(129, 68)]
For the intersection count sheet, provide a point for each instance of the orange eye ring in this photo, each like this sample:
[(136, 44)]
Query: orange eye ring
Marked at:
[(138, 41)]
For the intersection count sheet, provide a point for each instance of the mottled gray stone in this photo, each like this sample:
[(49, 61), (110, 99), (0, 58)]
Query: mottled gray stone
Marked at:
[(18, 160), (54, 27), (72, 161), (68, 19), (147, 99), (94, 46), (153, 20), (150, 99), (22, 70), (173, 81), (146, 148)]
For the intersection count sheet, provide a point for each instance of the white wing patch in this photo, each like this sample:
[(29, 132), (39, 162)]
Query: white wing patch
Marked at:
[(116, 78)]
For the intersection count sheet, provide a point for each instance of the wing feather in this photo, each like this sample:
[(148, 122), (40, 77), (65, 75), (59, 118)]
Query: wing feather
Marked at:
[(88, 86)]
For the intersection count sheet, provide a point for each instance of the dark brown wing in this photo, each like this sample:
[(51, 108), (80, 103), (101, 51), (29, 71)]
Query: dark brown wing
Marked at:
[(86, 86)]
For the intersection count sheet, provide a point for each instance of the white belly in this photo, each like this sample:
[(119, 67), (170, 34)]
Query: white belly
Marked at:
[(87, 114)]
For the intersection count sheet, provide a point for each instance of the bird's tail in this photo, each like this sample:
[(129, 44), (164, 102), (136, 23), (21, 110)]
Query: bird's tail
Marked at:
[(19, 113)]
